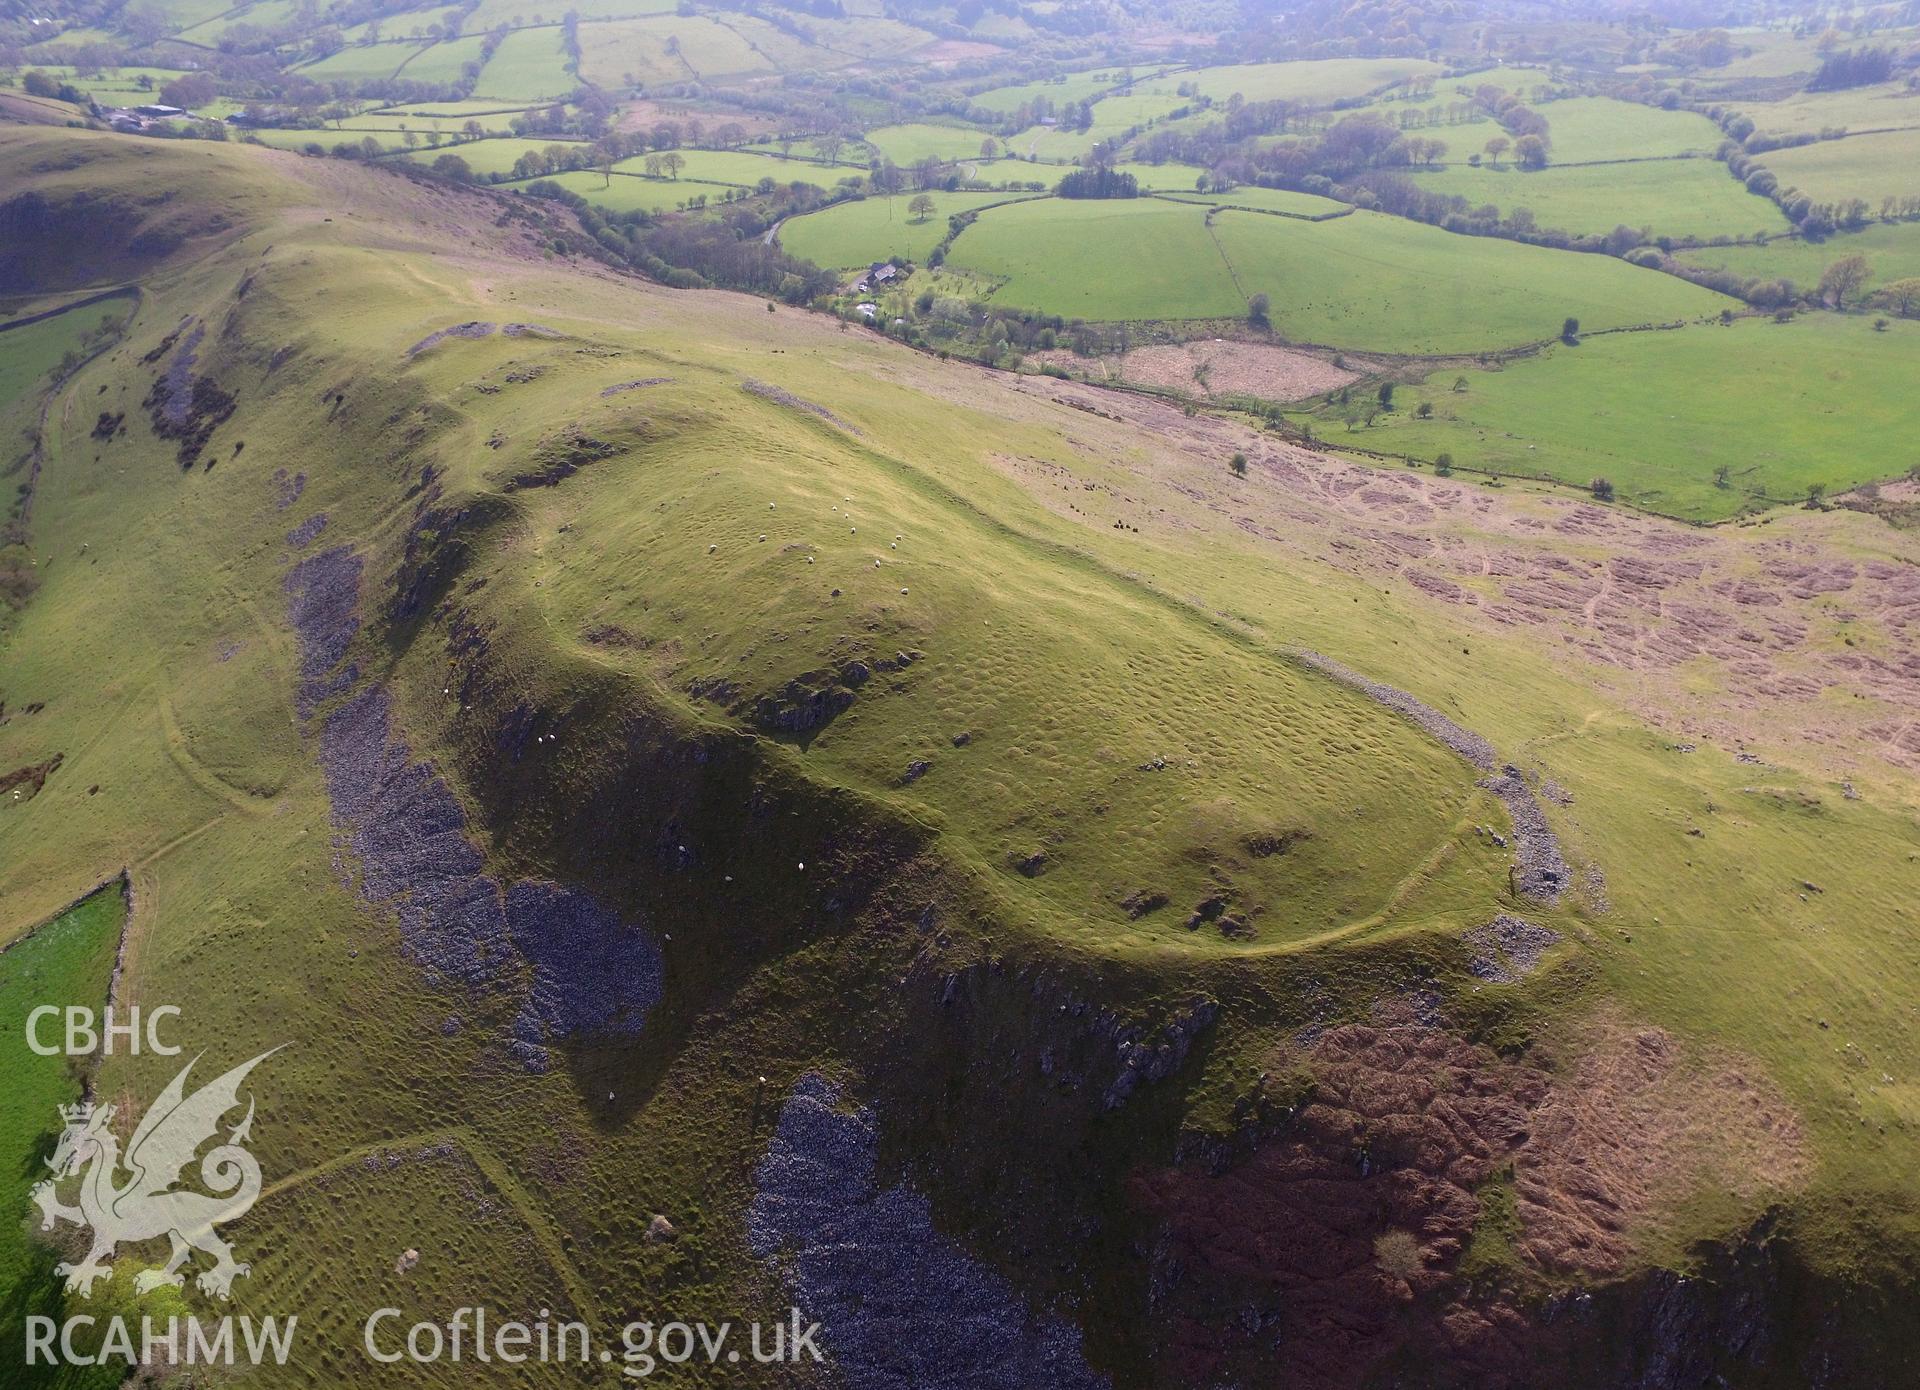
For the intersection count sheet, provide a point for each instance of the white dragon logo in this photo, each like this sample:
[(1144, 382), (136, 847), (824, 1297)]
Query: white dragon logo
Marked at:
[(148, 1204)]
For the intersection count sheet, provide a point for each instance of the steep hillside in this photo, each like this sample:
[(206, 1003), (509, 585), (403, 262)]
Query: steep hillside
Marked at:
[(982, 870)]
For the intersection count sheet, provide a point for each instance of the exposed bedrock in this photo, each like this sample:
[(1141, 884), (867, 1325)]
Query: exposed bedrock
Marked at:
[(575, 968), (901, 1306)]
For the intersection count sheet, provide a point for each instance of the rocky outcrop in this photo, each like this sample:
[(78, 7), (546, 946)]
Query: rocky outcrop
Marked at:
[(575, 968), (901, 1306)]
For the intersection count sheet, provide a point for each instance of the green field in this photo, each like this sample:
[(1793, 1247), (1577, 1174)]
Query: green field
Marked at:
[(488, 156), (1153, 178), (446, 61), (1137, 258), (1825, 399), (529, 65), (1889, 104), (1589, 129), (1283, 200), (1316, 80), (746, 169), (68, 961), (1372, 281), (495, 12), (1524, 81), (909, 144), (625, 193), (1073, 87), (29, 353), (875, 229), (1861, 166), (413, 24), (1671, 197), (265, 14), (1364, 280), (664, 48), (1891, 249), (364, 62)]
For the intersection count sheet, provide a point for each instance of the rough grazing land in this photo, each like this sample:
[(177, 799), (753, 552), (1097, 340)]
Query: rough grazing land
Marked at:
[(1643, 600), (576, 967), (1542, 871), (901, 1306), (1214, 367)]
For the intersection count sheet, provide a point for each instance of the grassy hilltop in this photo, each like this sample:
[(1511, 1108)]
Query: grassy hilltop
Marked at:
[(938, 727)]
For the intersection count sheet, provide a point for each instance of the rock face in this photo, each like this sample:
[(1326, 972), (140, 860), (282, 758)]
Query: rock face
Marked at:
[(901, 1306), (576, 968), (807, 703)]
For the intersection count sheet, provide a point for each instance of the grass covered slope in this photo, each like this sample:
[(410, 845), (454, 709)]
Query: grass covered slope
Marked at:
[(856, 234), (912, 841)]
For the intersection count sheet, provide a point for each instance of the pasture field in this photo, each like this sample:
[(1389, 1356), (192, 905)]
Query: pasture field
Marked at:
[(745, 169), (1079, 86), (1887, 105), (1152, 178), (1284, 200), (1591, 129), (909, 144), (29, 353), (1766, 53), (1365, 280), (1861, 166), (1526, 82), (875, 229), (627, 194), (529, 65), (1672, 197), (447, 60), (182, 14), (427, 122), (496, 12), (834, 41), (1379, 282), (1139, 258), (326, 138), (1052, 145), (1892, 251), (488, 156), (266, 14), (363, 62), (413, 24), (67, 961), (1316, 80), (116, 86), (664, 48), (1113, 117), (1823, 400)]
